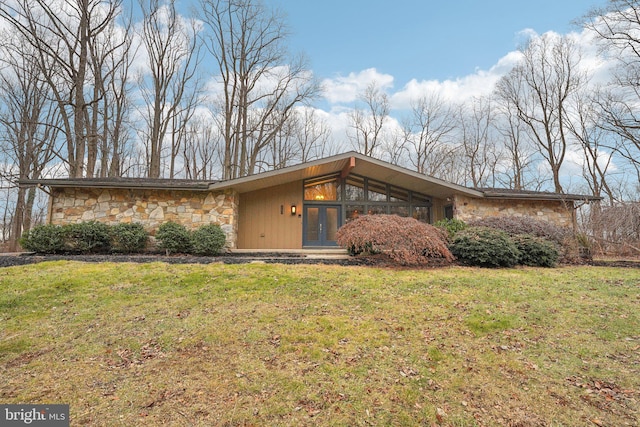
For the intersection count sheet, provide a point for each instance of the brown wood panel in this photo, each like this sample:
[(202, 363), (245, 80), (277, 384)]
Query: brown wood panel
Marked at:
[(437, 209), (261, 225)]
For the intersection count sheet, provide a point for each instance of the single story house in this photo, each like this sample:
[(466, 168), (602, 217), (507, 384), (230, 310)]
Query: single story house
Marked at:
[(296, 207)]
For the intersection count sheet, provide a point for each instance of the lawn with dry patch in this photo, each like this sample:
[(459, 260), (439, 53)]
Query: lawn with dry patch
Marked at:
[(158, 344)]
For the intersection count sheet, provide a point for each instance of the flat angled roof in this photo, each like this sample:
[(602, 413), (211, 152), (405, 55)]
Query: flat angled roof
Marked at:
[(366, 166), (504, 193), (142, 183), (350, 162)]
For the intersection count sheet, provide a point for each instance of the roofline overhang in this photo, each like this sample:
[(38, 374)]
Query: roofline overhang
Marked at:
[(123, 184), (300, 168), (540, 196), (339, 163)]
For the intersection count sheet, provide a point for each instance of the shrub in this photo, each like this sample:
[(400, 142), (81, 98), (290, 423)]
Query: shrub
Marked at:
[(536, 251), (128, 238), (208, 240), (407, 241), (46, 239), (451, 226), (485, 247), (568, 247), (514, 226), (173, 238), (87, 237)]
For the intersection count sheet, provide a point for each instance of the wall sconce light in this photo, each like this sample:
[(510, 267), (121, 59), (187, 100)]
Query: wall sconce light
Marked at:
[(293, 209)]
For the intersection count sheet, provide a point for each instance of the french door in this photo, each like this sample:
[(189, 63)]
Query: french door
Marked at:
[(320, 225)]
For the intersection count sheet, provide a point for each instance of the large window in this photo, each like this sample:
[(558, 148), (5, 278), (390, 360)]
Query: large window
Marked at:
[(364, 196), (354, 189), (324, 188)]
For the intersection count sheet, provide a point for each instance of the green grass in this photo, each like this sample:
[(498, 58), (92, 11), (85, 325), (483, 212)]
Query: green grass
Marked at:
[(158, 344)]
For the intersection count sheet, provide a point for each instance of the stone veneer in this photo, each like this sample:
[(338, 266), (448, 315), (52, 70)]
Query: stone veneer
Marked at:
[(147, 207), (553, 211)]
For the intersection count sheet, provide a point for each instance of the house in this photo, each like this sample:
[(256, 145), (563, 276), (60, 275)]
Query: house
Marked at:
[(296, 207)]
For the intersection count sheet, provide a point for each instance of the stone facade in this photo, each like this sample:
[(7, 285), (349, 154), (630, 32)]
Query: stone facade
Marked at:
[(147, 207), (553, 211)]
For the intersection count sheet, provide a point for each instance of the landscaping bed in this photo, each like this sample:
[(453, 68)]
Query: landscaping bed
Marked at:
[(242, 258), (230, 258)]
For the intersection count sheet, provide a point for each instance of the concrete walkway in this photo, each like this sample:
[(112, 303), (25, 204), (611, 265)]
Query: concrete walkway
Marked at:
[(320, 253)]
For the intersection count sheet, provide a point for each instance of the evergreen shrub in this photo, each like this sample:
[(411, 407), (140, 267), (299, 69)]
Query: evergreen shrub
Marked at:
[(536, 251), (174, 238), (485, 247), (208, 240), (128, 238), (451, 226), (514, 226), (45, 239), (87, 237)]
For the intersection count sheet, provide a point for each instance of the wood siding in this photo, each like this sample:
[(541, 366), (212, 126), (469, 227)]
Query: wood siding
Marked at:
[(261, 225), (437, 209)]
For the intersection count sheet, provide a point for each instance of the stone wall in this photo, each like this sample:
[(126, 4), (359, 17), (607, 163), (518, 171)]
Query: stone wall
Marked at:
[(553, 211), (147, 207)]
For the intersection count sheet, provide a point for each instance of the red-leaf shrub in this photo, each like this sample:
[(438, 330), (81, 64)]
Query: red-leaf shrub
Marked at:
[(405, 240)]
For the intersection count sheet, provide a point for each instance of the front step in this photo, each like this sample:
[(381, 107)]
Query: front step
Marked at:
[(316, 253)]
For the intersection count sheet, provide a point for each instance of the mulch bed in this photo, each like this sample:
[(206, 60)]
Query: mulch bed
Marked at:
[(244, 258)]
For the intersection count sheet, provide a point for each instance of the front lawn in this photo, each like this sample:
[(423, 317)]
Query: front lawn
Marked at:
[(267, 344)]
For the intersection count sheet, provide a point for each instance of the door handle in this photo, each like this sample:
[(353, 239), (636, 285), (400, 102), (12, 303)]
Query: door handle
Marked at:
[(320, 228)]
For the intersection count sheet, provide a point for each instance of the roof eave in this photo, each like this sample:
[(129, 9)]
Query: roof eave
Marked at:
[(302, 170), (70, 183), (541, 196)]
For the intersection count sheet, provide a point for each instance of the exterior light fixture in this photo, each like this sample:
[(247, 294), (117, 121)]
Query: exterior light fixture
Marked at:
[(293, 209)]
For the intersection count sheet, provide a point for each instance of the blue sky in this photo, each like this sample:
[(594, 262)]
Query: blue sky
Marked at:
[(457, 49), (419, 39)]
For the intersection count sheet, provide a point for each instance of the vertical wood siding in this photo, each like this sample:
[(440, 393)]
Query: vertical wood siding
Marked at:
[(260, 223)]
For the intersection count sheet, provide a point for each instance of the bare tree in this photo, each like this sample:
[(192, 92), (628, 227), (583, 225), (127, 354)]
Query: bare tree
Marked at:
[(198, 153), (305, 136), (478, 147), (591, 136), (367, 122), (517, 158), (428, 132), (283, 149), (312, 135), (617, 26), (539, 88), (394, 149), (26, 115), (259, 83), (172, 45), (111, 56), (62, 33)]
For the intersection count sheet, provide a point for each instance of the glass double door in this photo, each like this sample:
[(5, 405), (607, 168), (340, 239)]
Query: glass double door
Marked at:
[(320, 225)]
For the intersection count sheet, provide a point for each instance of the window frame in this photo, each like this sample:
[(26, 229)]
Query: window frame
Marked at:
[(391, 202)]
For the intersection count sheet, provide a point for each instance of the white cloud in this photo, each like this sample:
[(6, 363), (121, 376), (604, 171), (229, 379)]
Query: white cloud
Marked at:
[(344, 89), (341, 92), (575, 161)]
